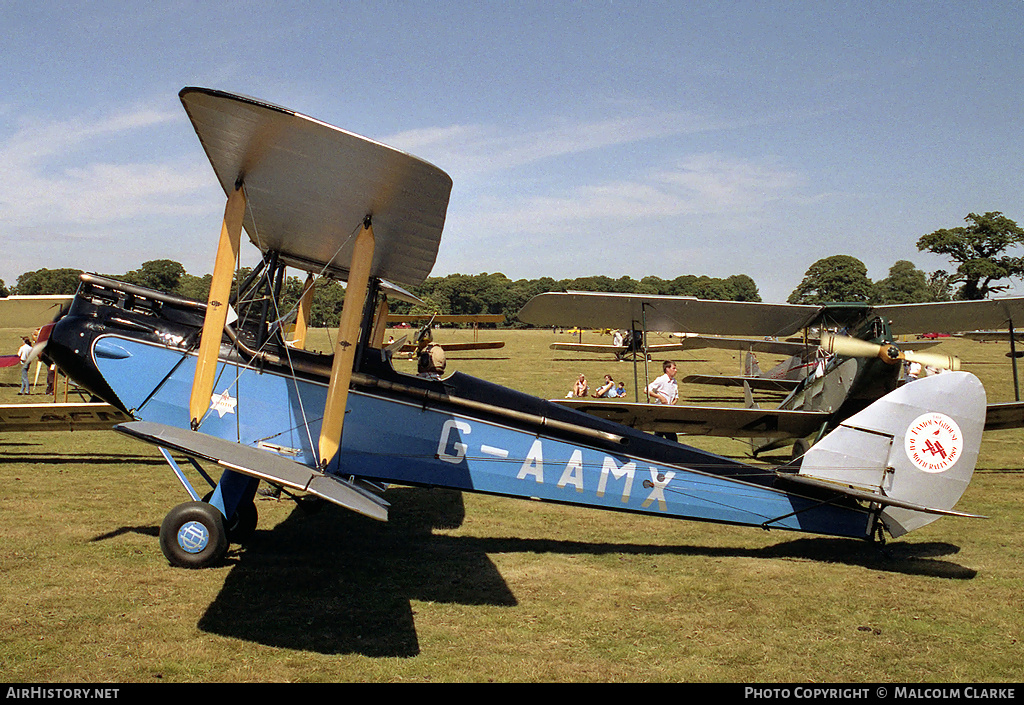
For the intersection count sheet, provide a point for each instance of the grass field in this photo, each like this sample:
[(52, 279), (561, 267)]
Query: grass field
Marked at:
[(473, 588)]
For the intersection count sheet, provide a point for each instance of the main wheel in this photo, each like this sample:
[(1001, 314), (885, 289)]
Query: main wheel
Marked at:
[(192, 535)]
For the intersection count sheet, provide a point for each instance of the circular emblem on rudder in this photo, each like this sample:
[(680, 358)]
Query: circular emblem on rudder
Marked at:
[(193, 537), (933, 442)]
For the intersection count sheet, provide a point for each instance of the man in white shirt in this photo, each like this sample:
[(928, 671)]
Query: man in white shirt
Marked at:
[(23, 352), (665, 390)]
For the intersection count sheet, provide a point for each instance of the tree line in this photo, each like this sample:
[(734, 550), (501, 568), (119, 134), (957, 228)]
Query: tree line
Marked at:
[(979, 250)]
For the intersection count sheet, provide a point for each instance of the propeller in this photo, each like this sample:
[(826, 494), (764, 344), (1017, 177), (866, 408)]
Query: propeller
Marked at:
[(42, 338), (889, 352)]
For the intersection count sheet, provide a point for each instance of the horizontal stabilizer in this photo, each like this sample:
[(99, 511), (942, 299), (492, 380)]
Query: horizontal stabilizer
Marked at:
[(853, 492), (259, 464)]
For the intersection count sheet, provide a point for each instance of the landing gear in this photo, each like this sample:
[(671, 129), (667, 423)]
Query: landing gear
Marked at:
[(193, 535), (242, 525)]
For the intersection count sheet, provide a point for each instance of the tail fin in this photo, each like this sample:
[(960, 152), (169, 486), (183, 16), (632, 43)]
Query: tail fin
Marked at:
[(914, 448)]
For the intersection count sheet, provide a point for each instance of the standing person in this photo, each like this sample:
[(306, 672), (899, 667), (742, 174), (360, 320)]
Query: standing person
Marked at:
[(665, 390), (23, 352)]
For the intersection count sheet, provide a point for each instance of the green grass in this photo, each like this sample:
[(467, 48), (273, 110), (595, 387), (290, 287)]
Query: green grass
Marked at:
[(461, 587)]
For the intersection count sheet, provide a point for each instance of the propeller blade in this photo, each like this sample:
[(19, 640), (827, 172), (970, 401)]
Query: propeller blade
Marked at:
[(41, 340), (931, 359), (855, 347)]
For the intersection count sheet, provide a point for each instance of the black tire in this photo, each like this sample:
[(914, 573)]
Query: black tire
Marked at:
[(242, 525), (192, 535)]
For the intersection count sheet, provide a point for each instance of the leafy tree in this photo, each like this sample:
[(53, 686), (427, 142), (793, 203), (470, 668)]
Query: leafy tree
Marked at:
[(160, 274), (48, 281), (194, 287), (906, 284), (3, 289), (833, 279), (979, 251), (743, 288), (940, 286)]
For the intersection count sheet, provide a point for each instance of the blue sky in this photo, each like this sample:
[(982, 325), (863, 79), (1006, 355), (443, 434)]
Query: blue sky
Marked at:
[(583, 138)]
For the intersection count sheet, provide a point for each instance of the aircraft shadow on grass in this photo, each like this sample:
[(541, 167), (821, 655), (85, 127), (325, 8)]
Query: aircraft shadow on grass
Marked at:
[(350, 590), (45, 456)]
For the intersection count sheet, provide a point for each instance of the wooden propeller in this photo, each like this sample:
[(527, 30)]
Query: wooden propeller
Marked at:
[(889, 352)]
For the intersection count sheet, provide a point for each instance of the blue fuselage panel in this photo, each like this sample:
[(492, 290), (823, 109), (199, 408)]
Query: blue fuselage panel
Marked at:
[(401, 441)]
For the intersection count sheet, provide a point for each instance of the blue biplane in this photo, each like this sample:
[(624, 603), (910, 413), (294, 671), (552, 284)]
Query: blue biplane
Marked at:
[(219, 383)]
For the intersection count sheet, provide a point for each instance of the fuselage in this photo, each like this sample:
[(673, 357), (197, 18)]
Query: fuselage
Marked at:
[(136, 349)]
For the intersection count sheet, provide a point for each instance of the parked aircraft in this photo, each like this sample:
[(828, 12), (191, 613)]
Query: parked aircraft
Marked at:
[(861, 362), (229, 392), (32, 316), (450, 346)]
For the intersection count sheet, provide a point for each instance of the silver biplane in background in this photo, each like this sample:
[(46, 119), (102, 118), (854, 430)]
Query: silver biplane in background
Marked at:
[(232, 394), (858, 358)]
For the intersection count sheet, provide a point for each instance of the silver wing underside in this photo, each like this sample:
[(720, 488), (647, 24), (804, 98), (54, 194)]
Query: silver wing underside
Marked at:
[(309, 186)]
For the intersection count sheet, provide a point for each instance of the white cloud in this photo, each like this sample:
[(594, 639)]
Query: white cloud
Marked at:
[(735, 191), (468, 150), (50, 178)]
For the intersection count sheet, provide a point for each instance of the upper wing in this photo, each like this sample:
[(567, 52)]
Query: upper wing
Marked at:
[(309, 186), (951, 316), (666, 313), (705, 420)]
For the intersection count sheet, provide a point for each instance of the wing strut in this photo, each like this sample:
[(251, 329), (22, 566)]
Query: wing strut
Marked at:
[(217, 305), (348, 337), (302, 319)]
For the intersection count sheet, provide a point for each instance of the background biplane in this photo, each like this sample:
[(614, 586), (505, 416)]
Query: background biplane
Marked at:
[(855, 344), (427, 321), (30, 315), (231, 392)]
